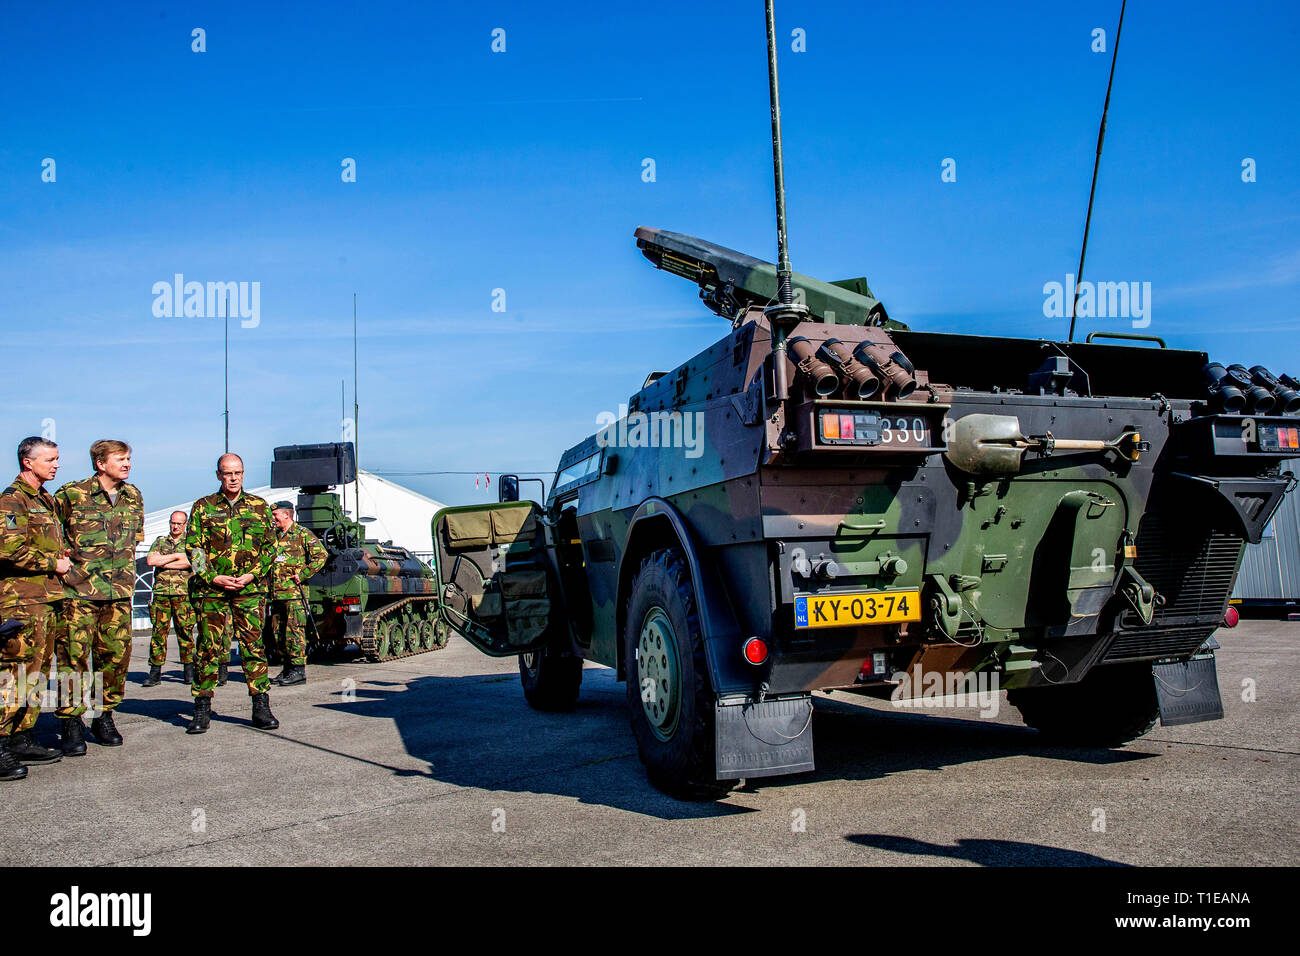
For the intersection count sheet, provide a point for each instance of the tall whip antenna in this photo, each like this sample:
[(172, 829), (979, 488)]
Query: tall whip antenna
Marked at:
[(225, 320), (343, 414), (356, 412), (786, 313), (1101, 137)]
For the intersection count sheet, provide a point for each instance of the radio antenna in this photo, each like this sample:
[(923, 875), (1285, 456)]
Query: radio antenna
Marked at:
[(225, 321), (343, 414), (786, 313), (1092, 192), (356, 414)]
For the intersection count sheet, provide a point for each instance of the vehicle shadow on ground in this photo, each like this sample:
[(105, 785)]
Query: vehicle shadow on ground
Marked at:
[(853, 742), (478, 731), (983, 852)]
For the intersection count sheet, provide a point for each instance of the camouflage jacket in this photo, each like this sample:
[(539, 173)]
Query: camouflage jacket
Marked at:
[(170, 582), (31, 540), (230, 538), (297, 552), (102, 535)]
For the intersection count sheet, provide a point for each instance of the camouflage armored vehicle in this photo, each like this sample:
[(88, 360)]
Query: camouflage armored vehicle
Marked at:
[(372, 594), (825, 499)]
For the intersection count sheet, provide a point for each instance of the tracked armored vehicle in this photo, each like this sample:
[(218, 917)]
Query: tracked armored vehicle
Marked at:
[(372, 594), (827, 500)]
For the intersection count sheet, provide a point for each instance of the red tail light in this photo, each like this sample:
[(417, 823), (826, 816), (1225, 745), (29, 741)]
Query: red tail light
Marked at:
[(755, 650), (1231, 617)]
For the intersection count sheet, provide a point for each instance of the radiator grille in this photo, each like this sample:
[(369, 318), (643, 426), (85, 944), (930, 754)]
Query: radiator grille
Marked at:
[(1193, 569), (1140, 645)]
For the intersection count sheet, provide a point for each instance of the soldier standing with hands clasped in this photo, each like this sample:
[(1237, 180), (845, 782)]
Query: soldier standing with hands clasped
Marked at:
[(171, 601), (103, 521), (298, 555), (231, 546), (32, 559)]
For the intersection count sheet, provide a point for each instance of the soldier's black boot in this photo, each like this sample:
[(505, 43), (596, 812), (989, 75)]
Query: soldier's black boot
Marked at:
[(73, 732), (202, 715), (221, 674), (154, 678), (24, 748), (104, 731), (284, 672), (263, 719), (297, 674), (187, 673), (10, 769)]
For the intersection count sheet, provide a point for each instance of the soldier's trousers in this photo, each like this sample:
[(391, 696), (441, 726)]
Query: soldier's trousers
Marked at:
[(22, 659), (286, 626), (97, 640), (165, 611), (244, 614)]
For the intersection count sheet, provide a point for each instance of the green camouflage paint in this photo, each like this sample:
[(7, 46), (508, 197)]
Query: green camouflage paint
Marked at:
[(298, 555), (102, 535), (167, 611), (98, 639), (240, 616), (230, 538), (170, 582)]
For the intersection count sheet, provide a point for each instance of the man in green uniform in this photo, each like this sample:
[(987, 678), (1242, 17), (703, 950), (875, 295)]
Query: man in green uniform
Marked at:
[(32, 557), (103, 521), (298, 555), (171, 601), (231, 547)]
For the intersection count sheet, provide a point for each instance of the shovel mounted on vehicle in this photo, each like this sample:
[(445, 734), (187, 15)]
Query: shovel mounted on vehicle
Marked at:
[(994, 445)]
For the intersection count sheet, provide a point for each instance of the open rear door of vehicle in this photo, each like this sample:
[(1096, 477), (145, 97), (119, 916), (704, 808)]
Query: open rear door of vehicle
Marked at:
[(494, 578)]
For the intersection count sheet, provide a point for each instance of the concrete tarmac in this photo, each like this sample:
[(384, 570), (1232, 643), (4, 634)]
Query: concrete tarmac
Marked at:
[(437, 759)]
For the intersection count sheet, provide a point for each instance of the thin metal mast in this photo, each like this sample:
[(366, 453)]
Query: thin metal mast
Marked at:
[(343, 414), (225, 321), (1092, 192), (785, 295), (356, 412), (786, 313)]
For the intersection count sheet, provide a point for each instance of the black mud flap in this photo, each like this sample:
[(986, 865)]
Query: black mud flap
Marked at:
[(763, 740), (1188, 691)]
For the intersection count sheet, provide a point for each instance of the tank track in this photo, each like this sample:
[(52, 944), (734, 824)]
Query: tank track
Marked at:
[(370, 629)]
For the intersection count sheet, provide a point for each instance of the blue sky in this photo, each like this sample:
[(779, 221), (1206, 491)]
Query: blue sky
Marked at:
[(522, 171)]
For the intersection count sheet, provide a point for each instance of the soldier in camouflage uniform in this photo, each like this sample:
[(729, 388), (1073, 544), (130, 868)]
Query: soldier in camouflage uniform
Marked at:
[(231, 547), (171, 601), (32, 557), (298, 555), (103, 521)]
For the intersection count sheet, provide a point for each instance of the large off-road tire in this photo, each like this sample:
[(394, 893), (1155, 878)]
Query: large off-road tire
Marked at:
[(669, 697), (551, 679), (1110, 706)]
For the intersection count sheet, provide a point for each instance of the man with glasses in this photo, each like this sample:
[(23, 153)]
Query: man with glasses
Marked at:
[(230, 543)]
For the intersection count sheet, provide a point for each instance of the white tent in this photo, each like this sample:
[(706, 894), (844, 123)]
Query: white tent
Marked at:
[(401, 515)]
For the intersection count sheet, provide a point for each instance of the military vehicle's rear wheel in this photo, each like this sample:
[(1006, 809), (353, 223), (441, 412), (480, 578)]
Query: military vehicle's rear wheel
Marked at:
[(551, 679), (669, 696), (384, 639), (1110, 706)]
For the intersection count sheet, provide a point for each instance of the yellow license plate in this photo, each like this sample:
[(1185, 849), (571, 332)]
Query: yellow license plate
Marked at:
[(853, 608)]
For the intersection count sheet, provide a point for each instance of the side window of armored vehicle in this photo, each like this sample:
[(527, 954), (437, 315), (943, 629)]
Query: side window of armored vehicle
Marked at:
[(492, 567), (587, 468)]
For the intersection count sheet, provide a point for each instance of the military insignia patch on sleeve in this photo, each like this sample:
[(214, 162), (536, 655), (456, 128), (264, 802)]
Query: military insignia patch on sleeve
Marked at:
[(11, 522)]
